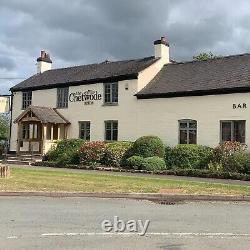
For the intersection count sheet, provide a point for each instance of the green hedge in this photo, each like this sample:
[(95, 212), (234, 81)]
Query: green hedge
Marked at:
[(148, 146), (116, 153), (188, 156), (154, 163), (65, 152)]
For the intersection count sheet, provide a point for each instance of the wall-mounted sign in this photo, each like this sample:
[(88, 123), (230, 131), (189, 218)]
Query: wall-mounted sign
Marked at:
[(88, 97), (239, 105)]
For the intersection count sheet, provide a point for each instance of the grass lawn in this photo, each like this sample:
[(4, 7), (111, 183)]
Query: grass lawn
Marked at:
[(59, 180)]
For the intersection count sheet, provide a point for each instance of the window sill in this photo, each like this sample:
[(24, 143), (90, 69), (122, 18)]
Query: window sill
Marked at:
[(110, 104)]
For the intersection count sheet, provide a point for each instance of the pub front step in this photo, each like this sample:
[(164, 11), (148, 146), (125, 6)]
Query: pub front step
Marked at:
[(24, 159)]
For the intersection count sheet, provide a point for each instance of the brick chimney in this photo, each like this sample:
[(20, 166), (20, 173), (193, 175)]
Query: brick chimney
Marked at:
[(161, 48), (43, 62)]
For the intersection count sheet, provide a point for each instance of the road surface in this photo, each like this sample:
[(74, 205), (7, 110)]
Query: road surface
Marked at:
[(75, 223)]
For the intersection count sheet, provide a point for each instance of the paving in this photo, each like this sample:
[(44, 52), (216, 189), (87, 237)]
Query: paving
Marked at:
[(75, 223)]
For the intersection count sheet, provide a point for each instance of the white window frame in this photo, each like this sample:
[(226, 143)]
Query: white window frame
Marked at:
[(62, 97), (26, 99), (113, 100), (188, 129)]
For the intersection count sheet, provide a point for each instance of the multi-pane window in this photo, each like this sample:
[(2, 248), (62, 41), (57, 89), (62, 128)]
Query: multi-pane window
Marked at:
[(111, 130), (62, 97), (26, 131), (27, 99), (30, 131), (84, 130), (111, 93), (233, 131), (187, 132)]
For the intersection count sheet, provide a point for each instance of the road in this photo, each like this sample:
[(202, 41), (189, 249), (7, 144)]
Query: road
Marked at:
[(75, 223)]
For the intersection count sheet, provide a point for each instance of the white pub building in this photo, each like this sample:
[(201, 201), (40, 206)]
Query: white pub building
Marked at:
[(196, 102)]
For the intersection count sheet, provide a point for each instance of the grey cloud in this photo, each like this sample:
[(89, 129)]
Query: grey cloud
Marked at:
[(82, 31), (6, 63)]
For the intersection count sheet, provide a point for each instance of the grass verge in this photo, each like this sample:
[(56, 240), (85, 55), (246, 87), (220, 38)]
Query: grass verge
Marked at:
[(53, 180)]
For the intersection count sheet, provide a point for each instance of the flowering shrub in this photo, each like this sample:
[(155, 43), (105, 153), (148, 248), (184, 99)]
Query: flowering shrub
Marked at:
[(231, 157), (92, 153), (116, 153), (228, 148)]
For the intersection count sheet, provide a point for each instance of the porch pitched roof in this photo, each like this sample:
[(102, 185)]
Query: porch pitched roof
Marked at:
[(44, 114)]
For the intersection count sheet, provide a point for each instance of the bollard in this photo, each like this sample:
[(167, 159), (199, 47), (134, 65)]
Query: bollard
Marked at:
[(4, 171)]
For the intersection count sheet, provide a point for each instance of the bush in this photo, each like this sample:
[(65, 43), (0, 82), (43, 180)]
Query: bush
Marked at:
[(154, 163), (116, 153), (65, 152), (188, 156), (135, 162), (92, 153), (231, 157), (148, 146)]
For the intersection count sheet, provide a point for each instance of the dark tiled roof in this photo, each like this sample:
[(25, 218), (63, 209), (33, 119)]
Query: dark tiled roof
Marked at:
[(223, 75), (92, 73), (44, 114)]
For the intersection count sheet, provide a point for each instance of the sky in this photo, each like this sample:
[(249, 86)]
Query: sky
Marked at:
[(88, 31)]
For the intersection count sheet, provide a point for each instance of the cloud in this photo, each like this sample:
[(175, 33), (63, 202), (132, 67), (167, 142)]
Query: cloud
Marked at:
[(81, 31)]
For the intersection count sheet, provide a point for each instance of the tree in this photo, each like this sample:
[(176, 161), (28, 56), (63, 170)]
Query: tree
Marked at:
[(4, 127), (205, 56)]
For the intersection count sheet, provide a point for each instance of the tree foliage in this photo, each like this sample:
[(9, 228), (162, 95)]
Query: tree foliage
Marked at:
[(205, 56), (4, 126)]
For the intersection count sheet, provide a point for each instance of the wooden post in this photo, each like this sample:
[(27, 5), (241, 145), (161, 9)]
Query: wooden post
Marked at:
[(44, 132), (52, 132), (4, 171), (58, 131), (18, 137)]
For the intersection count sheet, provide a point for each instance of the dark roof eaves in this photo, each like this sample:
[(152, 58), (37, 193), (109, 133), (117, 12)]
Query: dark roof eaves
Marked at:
[(78, 83), (194, 93)]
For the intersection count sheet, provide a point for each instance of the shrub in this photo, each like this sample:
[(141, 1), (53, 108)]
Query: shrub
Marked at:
[(154, 163), (188, 156), (135, 162), (92, 153), (226, 149), (148, 146), (231, 157), (65, 152), (116, 153)]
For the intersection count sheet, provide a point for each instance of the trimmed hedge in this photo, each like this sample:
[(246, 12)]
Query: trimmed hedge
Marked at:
[(116, 153), (154, 163), (65, 152), (148, 146), (188, 156)]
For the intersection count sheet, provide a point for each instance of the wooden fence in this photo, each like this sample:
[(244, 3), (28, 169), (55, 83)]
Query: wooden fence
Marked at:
[(4, 171)]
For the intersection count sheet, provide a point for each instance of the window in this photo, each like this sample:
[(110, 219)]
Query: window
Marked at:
[(30, 131), (111, 130), (26, 131), (111, 93), (27, 99), (62, 97), (187, 132), (84, 130), (233, 131)]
